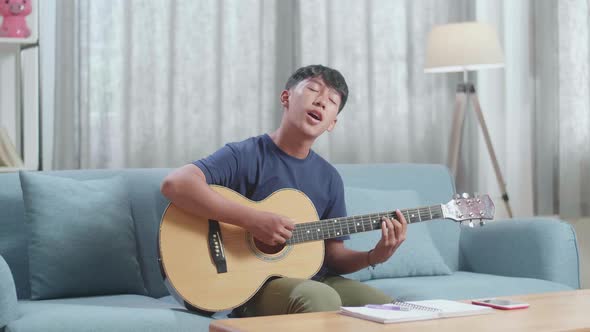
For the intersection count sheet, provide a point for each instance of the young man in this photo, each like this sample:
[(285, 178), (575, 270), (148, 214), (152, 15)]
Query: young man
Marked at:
[(257, 167)]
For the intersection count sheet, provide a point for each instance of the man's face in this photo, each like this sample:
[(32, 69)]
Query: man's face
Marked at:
[(311, 106)]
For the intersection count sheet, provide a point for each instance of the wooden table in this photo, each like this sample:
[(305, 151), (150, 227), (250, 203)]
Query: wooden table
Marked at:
[(557, 311)]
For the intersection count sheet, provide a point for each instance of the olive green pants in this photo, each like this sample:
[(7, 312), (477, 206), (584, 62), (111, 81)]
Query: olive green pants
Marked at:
[(289, 296)]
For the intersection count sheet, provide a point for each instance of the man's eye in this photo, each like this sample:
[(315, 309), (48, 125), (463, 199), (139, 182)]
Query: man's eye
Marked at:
[(332, 100), (312, 89)]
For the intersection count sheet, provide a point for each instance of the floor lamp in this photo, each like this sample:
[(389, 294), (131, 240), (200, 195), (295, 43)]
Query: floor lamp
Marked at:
[(463, 47)]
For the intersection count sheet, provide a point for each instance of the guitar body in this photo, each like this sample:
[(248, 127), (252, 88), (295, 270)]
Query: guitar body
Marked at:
[(188, 266)]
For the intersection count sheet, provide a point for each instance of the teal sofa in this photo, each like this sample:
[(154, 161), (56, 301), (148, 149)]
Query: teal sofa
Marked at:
[(440, 258)]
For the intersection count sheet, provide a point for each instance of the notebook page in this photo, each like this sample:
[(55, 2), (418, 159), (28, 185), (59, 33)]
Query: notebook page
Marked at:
[(387, 316), (450, 308)]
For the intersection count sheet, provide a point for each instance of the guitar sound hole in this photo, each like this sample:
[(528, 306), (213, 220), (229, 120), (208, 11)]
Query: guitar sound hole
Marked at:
[(268, 249)]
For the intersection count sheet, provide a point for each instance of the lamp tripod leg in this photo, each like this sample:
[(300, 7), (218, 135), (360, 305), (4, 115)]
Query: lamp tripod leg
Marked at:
[(457, 129), (488, 141)]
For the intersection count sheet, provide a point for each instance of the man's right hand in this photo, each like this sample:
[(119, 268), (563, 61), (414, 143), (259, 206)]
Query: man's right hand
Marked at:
[(187, 188), (270, 228)]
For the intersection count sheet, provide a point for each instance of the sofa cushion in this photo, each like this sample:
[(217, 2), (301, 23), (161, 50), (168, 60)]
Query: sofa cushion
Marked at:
[(54, 317), (417, 256), (26, 307), (8, 310), (82, 237), (463, 285)]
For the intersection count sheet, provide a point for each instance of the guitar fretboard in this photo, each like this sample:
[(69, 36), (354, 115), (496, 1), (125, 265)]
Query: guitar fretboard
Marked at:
[(337, 227)]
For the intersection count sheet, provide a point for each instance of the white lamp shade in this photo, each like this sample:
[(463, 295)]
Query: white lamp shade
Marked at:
[(462, 47)]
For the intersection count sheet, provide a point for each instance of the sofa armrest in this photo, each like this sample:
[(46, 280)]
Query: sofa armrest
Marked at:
[(8, 301), (540, 248)]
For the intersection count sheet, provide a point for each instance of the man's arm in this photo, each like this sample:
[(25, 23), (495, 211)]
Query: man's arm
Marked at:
[(342, 260), (187, 188)]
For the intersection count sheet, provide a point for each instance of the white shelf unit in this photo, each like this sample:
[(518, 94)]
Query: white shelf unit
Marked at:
[(19, 41), (20, 93)]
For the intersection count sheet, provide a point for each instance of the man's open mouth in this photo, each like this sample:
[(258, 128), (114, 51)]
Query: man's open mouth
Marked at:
[(316, 115)]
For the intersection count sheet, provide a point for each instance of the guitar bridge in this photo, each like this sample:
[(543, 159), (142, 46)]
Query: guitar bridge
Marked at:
[(216, 246)]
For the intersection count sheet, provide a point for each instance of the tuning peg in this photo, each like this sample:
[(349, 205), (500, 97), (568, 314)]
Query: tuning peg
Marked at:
[(471, 224), (465, 195), (482, 222), (457, 196)]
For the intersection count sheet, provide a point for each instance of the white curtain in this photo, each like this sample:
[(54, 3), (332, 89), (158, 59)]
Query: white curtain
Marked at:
[(160, 83), (562, 118), (507, 99)]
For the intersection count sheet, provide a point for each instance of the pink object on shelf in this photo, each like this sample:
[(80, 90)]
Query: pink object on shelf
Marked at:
[(14, 23)]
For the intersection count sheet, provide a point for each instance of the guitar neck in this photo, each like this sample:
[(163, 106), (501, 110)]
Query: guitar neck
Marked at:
[(337, 227)]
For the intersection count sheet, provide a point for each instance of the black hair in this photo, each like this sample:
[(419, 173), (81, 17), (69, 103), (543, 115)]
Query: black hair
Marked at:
[(331, 77)]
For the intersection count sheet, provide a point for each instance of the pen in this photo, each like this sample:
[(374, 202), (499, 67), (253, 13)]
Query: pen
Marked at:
[(387, 307)]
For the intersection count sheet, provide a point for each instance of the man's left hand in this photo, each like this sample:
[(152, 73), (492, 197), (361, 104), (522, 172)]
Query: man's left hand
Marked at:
[(393, 234)]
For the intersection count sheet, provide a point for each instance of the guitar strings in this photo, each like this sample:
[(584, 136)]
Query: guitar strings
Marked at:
[(363, 218), (331, 225), (336, 227)]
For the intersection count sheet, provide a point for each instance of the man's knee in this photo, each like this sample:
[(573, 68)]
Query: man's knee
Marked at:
[(313, 296)]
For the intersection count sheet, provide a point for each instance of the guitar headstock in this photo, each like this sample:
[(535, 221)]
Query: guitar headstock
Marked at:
[(464, 208)]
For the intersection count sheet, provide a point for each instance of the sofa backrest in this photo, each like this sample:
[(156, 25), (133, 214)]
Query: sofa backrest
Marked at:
[(405, 186), (14, 232), (429, 184), (432, 182)]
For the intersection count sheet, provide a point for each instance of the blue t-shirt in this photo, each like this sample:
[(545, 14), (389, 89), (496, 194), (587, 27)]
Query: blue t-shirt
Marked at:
[(257, 167)]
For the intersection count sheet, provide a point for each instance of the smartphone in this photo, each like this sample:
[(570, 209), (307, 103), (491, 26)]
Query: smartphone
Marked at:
[(501, 304)]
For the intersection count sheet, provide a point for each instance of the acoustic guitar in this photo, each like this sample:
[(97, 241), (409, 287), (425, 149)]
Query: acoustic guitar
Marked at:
[(214, 266)]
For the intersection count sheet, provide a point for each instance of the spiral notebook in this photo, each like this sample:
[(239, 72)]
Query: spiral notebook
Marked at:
[(415, 310)]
